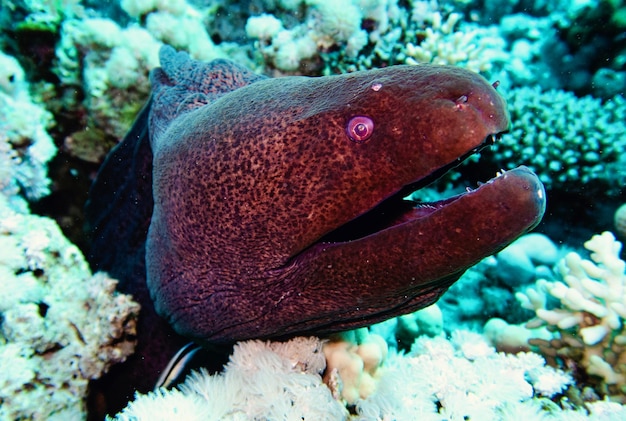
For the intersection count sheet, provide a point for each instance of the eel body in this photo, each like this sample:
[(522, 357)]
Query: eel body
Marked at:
[(266, 208)]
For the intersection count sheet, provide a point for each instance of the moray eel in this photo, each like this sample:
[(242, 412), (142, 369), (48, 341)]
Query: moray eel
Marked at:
[(271, 207)]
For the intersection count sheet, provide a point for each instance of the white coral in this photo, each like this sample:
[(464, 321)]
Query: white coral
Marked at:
[(592, 293), (263, 380), (444, 43), (589, 319), (25, 145), (438, 381), (60, 326)]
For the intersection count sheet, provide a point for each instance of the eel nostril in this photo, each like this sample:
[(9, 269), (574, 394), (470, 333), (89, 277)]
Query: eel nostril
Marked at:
[(461, 100)]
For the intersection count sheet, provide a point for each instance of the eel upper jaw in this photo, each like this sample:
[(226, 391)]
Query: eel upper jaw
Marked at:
[(396, 210)]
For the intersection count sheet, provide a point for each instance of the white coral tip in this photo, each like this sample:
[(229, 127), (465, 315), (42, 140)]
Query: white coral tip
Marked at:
[(593, 334)]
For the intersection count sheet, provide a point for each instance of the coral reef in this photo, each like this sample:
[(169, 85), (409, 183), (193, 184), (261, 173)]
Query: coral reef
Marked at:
[(573, 144), (111, 61), (326, 25), (592, 50), (73, 75), (356, 34), (443, 42), (619, 220), (25, 145), (111, 64), (463, 378), (289, 373), (400, 332), (60, 326), (588, 317), (353, 360), (487, 290)]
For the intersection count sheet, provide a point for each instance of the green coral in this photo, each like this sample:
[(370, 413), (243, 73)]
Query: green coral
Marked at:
[(573, 144)]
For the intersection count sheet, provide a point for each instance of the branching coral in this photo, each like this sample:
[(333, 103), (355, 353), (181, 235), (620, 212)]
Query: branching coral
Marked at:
[(442, 42), (460, 379), (588, 320), (59, 326)]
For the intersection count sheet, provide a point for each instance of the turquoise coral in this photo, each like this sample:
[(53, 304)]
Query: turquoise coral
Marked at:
[(573, 144)]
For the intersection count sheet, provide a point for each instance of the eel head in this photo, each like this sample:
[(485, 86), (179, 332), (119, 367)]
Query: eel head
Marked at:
[(278, 206)]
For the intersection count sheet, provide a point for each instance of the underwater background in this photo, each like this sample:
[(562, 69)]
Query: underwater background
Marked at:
[(536, 331)]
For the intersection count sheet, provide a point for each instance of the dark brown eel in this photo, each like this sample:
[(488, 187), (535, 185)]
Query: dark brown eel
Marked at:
[(267, 208)]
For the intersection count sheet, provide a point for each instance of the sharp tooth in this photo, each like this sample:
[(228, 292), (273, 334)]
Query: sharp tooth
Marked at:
[(493, 138), (469, 189)]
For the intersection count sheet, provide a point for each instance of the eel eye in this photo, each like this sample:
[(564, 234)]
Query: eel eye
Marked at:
[(360, 128)]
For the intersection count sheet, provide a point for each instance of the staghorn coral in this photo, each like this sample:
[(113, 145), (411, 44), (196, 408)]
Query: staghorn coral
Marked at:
[(588, 320), (60, 326), (442, 41)]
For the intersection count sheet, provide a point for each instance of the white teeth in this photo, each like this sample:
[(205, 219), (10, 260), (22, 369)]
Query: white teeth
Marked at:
[(491, 139), (469, 189), (500, 173)]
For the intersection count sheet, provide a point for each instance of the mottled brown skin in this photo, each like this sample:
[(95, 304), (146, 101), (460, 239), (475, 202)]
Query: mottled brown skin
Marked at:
[(247, 184)]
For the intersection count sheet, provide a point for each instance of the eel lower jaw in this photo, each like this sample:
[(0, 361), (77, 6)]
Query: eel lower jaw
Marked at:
[(395, 211), (425, 209)]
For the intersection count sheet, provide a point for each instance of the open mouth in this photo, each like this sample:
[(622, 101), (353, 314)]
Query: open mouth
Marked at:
[(396, 209)]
